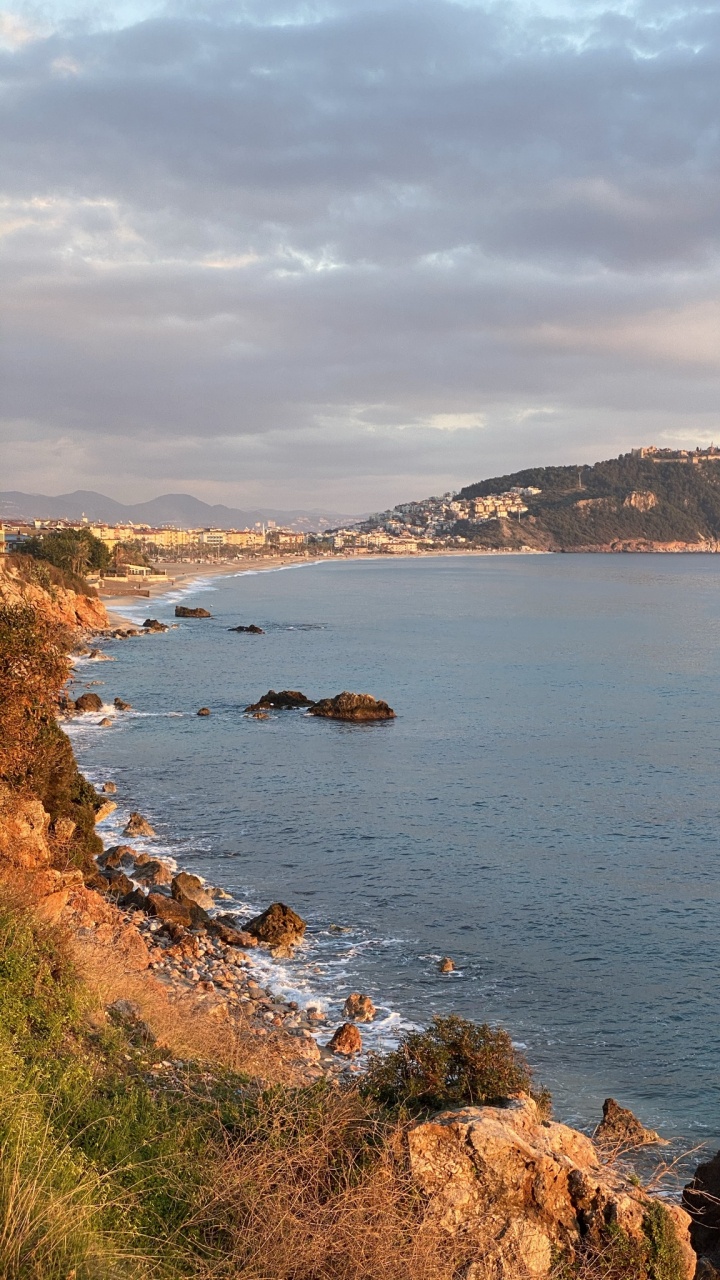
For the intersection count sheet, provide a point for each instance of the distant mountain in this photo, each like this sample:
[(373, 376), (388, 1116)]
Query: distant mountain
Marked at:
[(171, 508)]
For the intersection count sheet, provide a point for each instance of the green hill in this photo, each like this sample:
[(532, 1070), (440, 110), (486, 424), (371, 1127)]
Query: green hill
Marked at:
[(637, 498)]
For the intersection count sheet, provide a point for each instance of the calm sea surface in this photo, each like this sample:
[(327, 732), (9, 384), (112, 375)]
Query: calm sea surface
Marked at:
[(544, 809)]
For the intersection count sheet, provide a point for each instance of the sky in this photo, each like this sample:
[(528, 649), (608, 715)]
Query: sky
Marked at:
[(344, 254)]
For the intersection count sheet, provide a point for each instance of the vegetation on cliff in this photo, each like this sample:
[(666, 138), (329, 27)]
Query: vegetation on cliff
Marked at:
[(605, 503)]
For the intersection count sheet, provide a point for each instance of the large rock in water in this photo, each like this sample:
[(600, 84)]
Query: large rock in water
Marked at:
[(352, 706), (279, 926), (181, 611), (252, 630), (346, 1041), (285, 700), (152, 624), (88, 702), (527, 1190), (620, 1130), (138, 826), (359, 1007)]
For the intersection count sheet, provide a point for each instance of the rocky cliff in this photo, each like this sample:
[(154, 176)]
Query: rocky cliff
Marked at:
[(41, 588)]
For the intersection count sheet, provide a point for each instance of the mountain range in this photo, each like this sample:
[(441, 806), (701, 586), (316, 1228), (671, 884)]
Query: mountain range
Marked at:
[(171, 508)]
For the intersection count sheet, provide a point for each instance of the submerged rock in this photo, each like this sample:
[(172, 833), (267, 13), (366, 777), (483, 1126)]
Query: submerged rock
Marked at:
[(204, 711), (88, 702), (346, 1041), (138, 826), (352, 706), (278, 926), (105, 723), (359, 1007), (620, 1129), (181, 611), (285, 700), (251, 630)]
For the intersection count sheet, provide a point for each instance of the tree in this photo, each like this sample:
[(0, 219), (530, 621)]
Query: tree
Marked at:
[(75, 550)]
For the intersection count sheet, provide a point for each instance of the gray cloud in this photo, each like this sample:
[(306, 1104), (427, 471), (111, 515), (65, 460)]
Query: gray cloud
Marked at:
[(314, 254)]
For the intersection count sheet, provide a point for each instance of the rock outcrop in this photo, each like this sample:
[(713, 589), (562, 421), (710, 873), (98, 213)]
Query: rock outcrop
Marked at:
[(359, 1008), (204, 711), (352, 706), (252, 630), (181, 611), (119, 705), (190, 891), (528, 1190), (278, 926), (620, 1130), (70, 609), (346, 1041), (88, 702), (138, 826), (285, 700), (446, 965), (701, 1198), (153, 624)]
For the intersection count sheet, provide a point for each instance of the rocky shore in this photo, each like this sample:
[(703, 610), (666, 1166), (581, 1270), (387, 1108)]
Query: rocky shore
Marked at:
[(165, 955)]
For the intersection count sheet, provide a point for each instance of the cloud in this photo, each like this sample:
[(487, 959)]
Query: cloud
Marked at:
[(318, 252)]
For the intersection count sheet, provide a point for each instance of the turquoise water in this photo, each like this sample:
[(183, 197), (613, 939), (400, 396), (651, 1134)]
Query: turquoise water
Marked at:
[(544, 809)]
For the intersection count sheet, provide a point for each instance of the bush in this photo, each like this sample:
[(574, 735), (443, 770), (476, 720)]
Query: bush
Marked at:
[(453, 1063)]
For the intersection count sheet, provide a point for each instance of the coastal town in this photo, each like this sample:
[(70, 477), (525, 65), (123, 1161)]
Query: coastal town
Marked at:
[(407, 529)]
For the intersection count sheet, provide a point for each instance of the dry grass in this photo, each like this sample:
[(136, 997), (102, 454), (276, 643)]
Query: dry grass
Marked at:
[(323, 1195)]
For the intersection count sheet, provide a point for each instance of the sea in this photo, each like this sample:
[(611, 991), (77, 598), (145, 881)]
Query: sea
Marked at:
[(545, 808)]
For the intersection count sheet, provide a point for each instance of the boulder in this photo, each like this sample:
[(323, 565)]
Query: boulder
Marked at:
[(230, 934), (190, 891), (204, 711), (252, 630), (64, 829), (153, 624), (151, 871), (120, 883), (105, 723), (527, 1191), (285, 700), (620, 1130), (104, 810), (358, 1007), (278, 926), (120, 855), (352, 706), (181, 611), (138, 826), (88, 702), (168, 910), (346, 1041), (119, 705), (446, 965), (701, 1198), (109, 788)]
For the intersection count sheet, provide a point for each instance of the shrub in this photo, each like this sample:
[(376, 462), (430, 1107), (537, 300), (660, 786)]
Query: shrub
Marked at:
[(33, 668), (453, 1063)]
